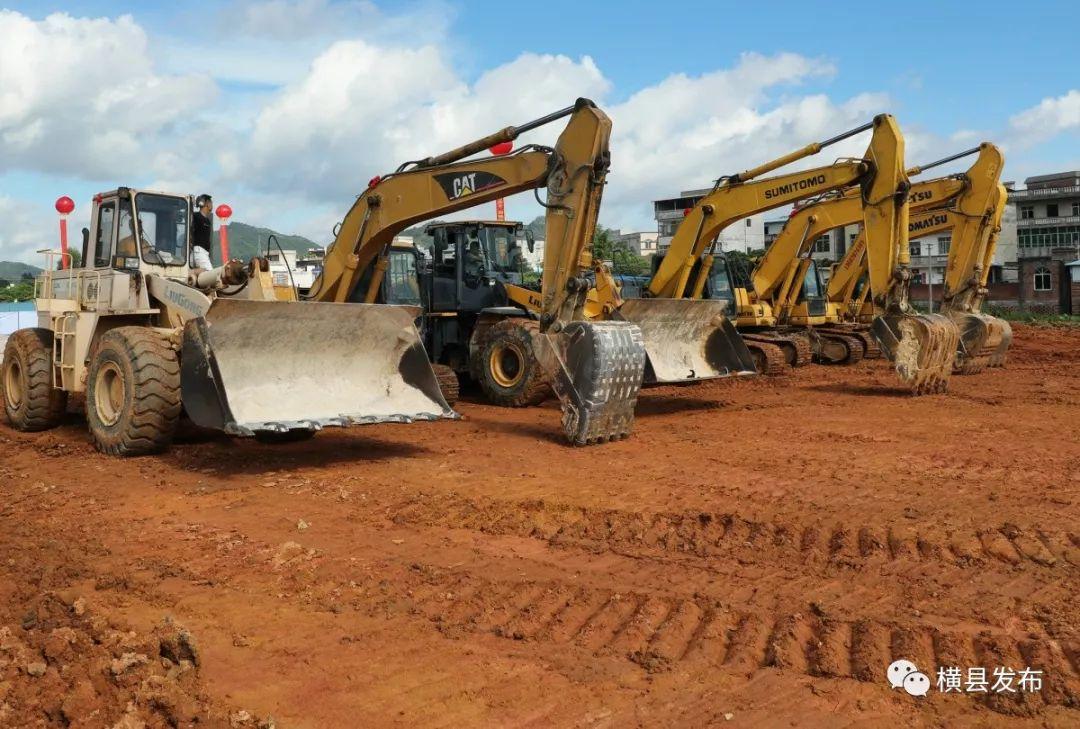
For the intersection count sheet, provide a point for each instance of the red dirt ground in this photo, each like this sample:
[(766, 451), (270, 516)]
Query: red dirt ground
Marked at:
[(755, 555)]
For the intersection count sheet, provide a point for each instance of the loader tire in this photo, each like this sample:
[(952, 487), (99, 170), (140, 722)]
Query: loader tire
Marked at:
[(30, 401), (133, 392), (448, 383), (509, 373)]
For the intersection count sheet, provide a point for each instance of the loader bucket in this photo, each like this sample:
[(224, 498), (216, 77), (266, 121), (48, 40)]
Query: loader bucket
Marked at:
[(921, 347), (266, 366), (595, 368), (688, 339), (981, 336)]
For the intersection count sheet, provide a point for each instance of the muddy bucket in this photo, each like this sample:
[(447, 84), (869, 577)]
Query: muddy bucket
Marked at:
[(596, 369), (981, 337), (688, 339), (997, 357), (922, 348), (265, 366)]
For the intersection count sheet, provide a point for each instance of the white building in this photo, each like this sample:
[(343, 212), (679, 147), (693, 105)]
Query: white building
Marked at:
[(743, 235), (643, 244)]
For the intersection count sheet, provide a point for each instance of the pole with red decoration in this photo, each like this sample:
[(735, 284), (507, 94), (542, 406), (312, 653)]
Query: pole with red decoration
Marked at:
[(224, 212), (64, 206), (498, 150)]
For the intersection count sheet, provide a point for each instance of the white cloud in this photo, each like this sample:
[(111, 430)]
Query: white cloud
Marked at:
[(364, 109), (342, 91), (1047, 119), (26, 227), (81, 97)]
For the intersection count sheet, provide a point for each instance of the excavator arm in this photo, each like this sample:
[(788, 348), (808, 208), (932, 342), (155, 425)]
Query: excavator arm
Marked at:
[(740, 195)]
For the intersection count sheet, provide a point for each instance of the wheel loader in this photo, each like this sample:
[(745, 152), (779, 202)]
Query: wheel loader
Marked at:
[(147, 337), (480, 321), (481, 314)]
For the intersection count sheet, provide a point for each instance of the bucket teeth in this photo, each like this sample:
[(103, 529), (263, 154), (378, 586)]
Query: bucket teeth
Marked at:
[(922, 348), (596, 369)]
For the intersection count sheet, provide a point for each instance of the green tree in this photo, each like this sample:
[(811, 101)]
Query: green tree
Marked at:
[(20, 291), (624, 262), (76, 259)]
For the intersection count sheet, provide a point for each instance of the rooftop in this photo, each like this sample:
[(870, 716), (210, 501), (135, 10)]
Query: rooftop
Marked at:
[(1056, 177)]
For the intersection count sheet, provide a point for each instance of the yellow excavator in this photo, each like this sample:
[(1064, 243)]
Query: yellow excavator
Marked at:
[(975, 201), (920, 346), (786, 284), (595, 364)]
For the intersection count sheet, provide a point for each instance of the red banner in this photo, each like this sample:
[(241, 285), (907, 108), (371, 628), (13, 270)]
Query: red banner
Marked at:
[(500, 209)]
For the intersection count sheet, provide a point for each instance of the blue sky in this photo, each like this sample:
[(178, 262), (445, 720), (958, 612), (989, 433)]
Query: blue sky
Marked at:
[(953, 74)]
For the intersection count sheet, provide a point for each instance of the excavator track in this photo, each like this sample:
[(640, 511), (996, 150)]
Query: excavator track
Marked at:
[(852, 346), (795, 347), (871, 349), (768, 358)]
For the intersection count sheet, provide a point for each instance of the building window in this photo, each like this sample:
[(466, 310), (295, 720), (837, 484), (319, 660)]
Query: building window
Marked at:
[(1042, 279), (943, 244), (1051, 210), (916, 248), (1027, 212), (822, 244), (1076, 209)]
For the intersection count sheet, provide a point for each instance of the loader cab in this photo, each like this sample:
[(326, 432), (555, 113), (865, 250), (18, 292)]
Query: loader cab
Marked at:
[(134, 230), (469, 262)]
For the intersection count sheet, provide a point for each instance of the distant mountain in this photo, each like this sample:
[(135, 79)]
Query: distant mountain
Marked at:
[(246, 241), (13, 270)]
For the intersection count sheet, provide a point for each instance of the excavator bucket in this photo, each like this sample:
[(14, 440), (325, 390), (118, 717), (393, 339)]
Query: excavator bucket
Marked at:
[(981, 337), (997, 357), (264, 366), (688, 339), (922, 348), (595, 368)]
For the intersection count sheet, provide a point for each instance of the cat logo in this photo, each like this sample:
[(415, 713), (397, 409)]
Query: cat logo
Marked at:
[(457, 185)]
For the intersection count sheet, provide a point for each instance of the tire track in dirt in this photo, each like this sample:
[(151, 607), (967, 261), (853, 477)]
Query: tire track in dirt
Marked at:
[(705, 534), (660, 632)]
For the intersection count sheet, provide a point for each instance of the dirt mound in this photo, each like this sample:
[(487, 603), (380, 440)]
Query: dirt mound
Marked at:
[(62, 665)]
